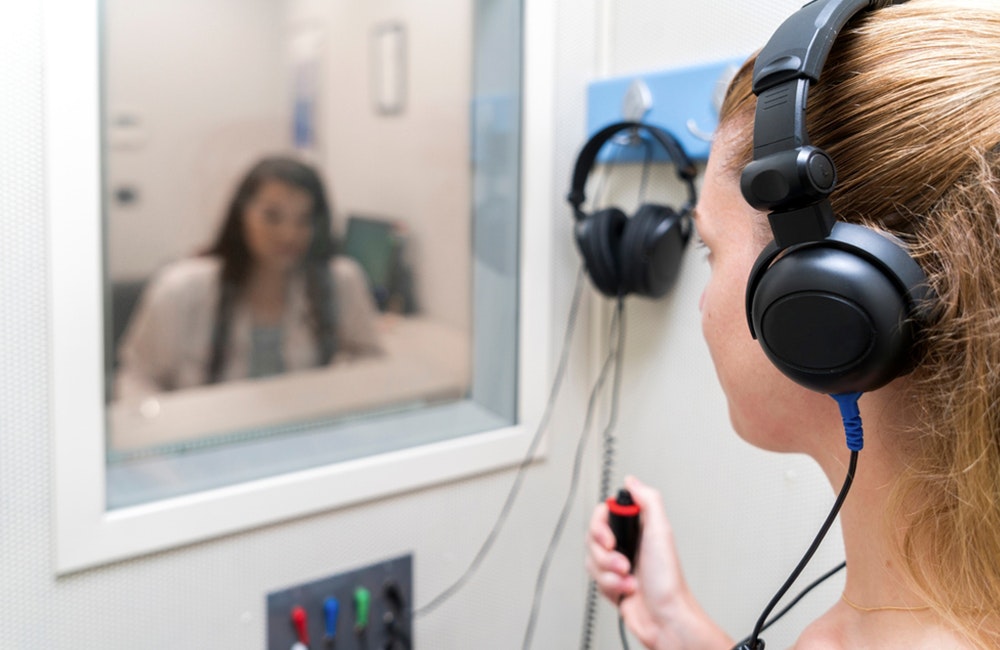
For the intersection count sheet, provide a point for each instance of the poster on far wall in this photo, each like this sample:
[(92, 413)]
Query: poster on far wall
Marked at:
[(306, 52)]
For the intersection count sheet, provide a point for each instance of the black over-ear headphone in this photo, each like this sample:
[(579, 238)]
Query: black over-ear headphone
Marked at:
[(834, 305), (640, 255)]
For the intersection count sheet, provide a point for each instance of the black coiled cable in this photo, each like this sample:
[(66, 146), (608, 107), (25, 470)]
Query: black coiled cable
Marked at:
[(607, 468), (608, 457)]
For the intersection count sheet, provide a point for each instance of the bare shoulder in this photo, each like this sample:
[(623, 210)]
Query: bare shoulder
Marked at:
[(832, 632), (824, 633)]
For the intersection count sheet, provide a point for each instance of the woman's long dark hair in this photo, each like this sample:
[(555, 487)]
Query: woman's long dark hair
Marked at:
[(237, 261)]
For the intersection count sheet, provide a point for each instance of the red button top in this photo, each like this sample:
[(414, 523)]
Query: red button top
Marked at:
[(622, 510)]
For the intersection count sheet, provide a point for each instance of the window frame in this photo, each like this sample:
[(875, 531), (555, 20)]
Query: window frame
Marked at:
[(87, 533)]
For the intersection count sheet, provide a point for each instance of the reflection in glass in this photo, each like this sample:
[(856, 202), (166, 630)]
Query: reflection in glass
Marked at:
[(284, 258)]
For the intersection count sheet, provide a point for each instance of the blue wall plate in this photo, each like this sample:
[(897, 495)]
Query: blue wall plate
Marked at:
[(684, 101)]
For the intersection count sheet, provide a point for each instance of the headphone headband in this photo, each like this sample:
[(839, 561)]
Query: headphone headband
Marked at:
[(788, 176), (686, 170)]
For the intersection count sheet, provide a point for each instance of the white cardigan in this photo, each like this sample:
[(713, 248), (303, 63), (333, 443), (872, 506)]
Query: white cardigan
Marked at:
[(166, 345)]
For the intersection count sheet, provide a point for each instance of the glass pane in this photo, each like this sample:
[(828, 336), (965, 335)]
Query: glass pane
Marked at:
[(302, 266)]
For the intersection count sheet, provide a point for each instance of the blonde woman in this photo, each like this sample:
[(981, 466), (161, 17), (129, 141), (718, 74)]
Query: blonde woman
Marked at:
[(908, 107)]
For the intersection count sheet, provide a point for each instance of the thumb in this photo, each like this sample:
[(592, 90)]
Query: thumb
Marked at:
[(650, 502), (657, 561)]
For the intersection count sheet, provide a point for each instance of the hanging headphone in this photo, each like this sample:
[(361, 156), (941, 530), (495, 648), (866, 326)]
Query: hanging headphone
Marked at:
[(639, 255), (835, 306)]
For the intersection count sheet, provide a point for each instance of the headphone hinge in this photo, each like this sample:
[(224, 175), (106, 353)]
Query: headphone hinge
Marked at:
[(802, 225)]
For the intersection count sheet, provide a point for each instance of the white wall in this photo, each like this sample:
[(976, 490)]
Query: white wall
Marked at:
[(203, 96), (742, 517), (412, 167)]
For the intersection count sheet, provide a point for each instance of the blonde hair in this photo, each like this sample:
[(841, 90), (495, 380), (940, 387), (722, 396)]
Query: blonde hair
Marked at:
[(908, 107)]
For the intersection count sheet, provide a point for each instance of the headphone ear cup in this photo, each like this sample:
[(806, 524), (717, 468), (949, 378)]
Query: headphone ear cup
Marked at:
[(832, 320), (598, 238), (652, 248)]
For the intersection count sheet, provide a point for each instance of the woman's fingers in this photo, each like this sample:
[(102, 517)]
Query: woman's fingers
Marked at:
[(612, 584), (608, 568), (600, 532), (650, 504)]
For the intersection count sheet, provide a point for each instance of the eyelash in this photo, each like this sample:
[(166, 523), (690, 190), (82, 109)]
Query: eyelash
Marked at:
[(706, 252)]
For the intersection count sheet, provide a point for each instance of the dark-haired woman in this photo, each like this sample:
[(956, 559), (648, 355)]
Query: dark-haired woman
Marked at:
[(267, 297)]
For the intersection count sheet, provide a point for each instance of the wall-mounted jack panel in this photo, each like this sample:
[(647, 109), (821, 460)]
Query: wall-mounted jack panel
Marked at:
[(369, 608)]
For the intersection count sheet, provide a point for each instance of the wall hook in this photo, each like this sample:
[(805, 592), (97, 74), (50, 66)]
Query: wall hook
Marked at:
[(698, 132), (636, 104)]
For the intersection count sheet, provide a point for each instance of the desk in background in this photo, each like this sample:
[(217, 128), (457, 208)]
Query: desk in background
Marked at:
[(423, 361)]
